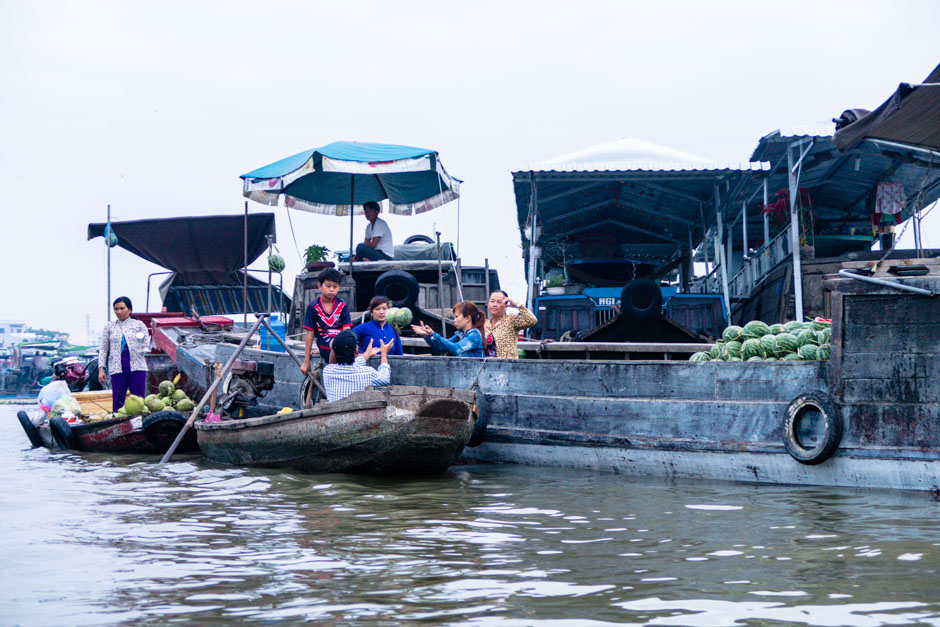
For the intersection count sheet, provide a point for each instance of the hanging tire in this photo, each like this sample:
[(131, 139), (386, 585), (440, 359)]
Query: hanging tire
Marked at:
[(305, 388), (31, 431), (399, 287), (162, 427), (832, 433), (62, 434), (641, 299), (479, 429), (412, 239)]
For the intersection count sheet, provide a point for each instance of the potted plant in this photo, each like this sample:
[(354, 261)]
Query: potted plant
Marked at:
[(554, 285), (316, 257)]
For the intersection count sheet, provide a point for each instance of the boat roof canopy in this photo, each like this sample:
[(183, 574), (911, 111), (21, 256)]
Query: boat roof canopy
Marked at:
[(624, 199)]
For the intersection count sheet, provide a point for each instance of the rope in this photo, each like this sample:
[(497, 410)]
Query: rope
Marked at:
[(296, 247), (476, 382)]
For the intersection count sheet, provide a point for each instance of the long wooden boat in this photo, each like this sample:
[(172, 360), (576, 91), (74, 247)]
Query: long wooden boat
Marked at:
[(399, 429), (150, 434)]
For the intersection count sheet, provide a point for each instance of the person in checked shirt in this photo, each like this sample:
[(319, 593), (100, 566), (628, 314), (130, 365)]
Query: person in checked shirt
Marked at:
[(348, 371)]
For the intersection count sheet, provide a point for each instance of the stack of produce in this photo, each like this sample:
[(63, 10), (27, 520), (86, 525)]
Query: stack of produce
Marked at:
[(757, 341), (399, 317), (168, 398)]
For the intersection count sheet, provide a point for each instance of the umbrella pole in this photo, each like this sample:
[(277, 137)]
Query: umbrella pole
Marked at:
[(440, 285), (270, 244), (107, 244), (245, 271), (352, 202)]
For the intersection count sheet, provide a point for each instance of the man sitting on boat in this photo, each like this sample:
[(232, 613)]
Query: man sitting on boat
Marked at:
[(378, 244), (348, 371)]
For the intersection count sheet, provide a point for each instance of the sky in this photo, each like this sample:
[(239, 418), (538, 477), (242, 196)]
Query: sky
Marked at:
[(157, 108)]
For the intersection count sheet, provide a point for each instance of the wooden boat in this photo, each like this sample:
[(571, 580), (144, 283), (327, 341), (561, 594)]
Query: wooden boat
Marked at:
[(150, 434), (399, 429)]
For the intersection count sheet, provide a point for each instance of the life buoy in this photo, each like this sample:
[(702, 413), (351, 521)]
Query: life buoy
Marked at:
[(641, 299), (419, 238), (398, 286), (162, 427), (832, 435), (62, 434), (31, 431)]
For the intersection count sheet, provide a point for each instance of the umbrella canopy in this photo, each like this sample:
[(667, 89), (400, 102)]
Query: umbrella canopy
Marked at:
[(332, 178)]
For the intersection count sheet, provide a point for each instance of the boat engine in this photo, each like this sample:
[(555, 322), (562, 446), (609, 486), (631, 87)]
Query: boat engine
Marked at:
[(245, 383)]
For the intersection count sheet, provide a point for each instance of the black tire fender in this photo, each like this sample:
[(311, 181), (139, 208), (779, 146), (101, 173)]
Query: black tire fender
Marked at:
[(161, 428), (418, 238), (832, 436), (31, 431), (641, 299), (479, 428), (318, 393), (399, 287), (63, 435)]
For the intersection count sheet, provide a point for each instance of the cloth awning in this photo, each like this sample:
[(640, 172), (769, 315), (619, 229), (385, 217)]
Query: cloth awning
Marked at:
[(910, 116)]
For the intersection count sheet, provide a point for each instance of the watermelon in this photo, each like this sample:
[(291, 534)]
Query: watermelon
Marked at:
[(793, 326), (823, 352), (735, 359), (777, 329), (756, 329), (750, 348), (755, 358), (819, 324), (768, 344), (809, 352), (806, 336), (826, 334), (702, 356), (404, 317), (791, 357), (715, 352), (391, 315), (732, 349), (786, 343), (771, 359), (732, 334), (276, 263)]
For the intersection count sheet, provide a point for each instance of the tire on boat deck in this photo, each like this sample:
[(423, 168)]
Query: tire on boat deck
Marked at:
[(62, 434), (832, 434), (162, 427), (641, 299), (31, 431), (399, 287)]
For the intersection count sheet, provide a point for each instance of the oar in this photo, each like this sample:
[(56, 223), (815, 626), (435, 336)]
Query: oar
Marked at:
[(212, 388)]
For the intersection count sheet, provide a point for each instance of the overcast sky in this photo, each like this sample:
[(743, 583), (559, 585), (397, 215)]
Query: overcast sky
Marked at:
[(156, 108)]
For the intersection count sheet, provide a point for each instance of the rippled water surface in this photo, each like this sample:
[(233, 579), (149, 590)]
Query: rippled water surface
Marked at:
[(93, 539)]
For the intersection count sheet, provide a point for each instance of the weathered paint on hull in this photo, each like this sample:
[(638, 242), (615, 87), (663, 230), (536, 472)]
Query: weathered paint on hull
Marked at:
[(842, 470)]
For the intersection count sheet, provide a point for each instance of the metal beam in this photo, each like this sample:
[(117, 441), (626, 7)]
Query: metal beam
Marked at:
[(569, 192), (624, 225)]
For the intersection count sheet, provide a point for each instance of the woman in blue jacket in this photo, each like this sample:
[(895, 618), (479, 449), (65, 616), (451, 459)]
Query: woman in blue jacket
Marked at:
[(467, 341), (377, 330)]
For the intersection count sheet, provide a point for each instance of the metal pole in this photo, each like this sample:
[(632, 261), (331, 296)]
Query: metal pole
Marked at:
[(212, 388), (486, 280), (270, 245), (892, 284), (701, 215), (533, 211), (744, 248), (245, 270), (107, 243), (440, 284), (352, 203), (795, 238), (720, 254), (766, 217)]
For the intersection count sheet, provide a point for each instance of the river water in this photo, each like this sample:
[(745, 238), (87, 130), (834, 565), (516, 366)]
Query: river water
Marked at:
[(98, 540)]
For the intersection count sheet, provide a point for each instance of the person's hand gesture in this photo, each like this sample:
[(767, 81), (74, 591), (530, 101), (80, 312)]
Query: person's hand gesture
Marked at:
[(386, 346), (370, 351), (421, 329), (511, 303)]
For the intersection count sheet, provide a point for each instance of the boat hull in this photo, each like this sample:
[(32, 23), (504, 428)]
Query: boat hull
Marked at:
[(125, 435), (402, 429)]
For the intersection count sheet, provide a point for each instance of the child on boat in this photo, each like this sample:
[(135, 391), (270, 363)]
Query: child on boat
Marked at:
[(348, 371), (325, 317)]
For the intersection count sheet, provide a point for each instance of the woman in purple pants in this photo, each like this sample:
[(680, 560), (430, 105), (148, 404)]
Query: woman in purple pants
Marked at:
[(123, 344)]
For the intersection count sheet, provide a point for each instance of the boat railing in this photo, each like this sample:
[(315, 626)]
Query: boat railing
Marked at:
[(752, 271)]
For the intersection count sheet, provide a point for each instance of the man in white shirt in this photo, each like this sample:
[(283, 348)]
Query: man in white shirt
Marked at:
[(378, 243)]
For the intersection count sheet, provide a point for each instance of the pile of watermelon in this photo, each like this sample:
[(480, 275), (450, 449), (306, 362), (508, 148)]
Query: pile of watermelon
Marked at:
[(758, 341), (399, 317)]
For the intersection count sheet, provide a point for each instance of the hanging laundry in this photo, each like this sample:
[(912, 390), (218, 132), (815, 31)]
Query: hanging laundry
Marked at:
[(889, 198)]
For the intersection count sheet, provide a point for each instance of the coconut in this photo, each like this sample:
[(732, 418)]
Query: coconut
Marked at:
[(179, 395), (156, 404), (149, 398), (166, 388), (134, 405), (184, 405)]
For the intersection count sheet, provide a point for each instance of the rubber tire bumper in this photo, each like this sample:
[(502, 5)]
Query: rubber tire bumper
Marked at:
[(162, 427), (419, 238), (399, 287), (62, 434), (479, 426), (641, 299), (831, 437), (31, 431)]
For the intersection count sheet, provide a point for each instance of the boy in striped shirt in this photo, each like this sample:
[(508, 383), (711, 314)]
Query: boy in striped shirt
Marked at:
[(325, 317)]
